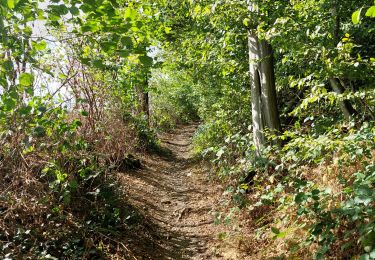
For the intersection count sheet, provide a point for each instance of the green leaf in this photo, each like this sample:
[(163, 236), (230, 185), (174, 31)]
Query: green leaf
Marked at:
[(167, 30), (130, 13), (371, 12), (8, 65), (76, 123), (275, 230), (39, 131), (11, 4), (86, 8), (123, 54), (74, 10), (281, 235), (25, 110), (62, 76), (9, 103), (90, 26), (40, 46), (42, 109), (73, 184), (356, 17), (127, 42), (300, 197), (26, 79), (145, 60), (67, 198), (368, 249), (244, 186), (107, 46), (364, 257), (29, 90), (58, 10), (222, 236), (98, 64), (139, 24), (246, 22), (84, 113)]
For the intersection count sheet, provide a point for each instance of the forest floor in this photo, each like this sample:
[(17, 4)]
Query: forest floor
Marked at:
[(177, 202)]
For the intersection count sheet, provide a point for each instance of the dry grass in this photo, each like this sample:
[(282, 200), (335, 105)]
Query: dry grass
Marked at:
[(33, 216)]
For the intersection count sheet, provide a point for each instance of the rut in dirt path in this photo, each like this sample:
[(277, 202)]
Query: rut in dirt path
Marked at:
[(177, 202)]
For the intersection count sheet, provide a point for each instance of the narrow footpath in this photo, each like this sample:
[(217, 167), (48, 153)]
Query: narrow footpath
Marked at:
[(177, 203)]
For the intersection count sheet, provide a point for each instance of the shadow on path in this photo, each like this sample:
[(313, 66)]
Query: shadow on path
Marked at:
[(176, 202)]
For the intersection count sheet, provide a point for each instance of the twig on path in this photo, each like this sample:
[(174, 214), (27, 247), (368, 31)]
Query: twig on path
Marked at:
[(207, 222), (118, 242), (181, 214)]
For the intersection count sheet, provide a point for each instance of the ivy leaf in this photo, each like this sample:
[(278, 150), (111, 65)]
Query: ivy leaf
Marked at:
[(356, 17), (26, 79)]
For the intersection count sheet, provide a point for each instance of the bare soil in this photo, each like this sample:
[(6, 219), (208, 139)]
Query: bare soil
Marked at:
[(177, 202)]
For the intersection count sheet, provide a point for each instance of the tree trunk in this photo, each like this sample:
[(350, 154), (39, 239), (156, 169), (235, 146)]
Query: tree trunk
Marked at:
[(145, 105), (256, 98), (345, 105), (268, 89), (265, 114)]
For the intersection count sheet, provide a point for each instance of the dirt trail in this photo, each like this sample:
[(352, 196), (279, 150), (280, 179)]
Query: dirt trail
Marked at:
[(177, 203)]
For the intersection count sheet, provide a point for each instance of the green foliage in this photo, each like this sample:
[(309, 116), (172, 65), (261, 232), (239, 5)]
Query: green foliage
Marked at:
[(356, 16), (173, 99), (348, 212)]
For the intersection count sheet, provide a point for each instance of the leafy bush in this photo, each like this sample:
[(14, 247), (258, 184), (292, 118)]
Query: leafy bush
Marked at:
[(334, 217)]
